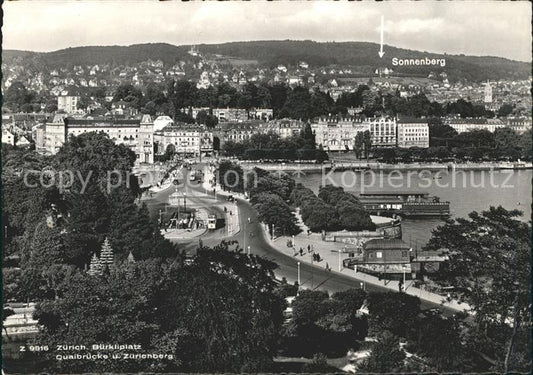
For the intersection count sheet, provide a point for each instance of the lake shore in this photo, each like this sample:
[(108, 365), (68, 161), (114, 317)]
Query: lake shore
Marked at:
[(377, 166)]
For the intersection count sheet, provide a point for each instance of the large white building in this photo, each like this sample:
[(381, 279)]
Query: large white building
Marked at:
[(383, 131), (186, 140), (68, 103), (339, 134), (462, 125), (335, 134), (7, 137), (135, 133), (413, 133)]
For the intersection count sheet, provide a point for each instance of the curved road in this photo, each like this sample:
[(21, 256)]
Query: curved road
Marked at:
[(312, 277)]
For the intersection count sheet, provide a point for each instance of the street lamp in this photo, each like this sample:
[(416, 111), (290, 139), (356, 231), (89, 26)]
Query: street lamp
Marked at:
[(185, 202), (248, 250), (299, 275)]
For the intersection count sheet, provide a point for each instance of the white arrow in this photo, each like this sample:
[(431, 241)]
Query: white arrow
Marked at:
[(381, 53)]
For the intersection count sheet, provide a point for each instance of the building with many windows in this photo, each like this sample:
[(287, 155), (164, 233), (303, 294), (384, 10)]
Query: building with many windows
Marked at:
[(462, 125), (235, 114), (235, 132), (337, 134), (68, 100), (519, 125), (412, 132), (134, 133), (383, 131), (285, 128), (185, 139)]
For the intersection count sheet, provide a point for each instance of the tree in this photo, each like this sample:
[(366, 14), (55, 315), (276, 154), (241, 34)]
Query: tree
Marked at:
[(47, 247), (393, 312), (84, 102), (439, 340), (181, 94), (298, 104), (230, 176), (484, 253), (241, 313), (309, 137), (440, 134), (130, 94), (18, 98), (211, 121), (367, 142), (274, 212), (206, 119), (507, 142), (118, 305), (505, 110), (386, 356), (278, 94), (156, 304), (263, 97), (358, 144), (526, 145), (318, 365)]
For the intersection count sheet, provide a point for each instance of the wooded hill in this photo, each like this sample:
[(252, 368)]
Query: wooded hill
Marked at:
[(362, 56)]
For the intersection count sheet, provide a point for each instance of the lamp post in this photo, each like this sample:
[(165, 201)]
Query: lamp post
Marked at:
[(245, 233), (248, 250), (184, 202), (299, 275)]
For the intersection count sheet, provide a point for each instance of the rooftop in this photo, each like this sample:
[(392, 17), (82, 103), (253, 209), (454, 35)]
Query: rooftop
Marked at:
[(386, 244)]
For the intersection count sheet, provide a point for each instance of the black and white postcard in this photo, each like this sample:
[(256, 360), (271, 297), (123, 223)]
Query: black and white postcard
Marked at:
[(266, 187)]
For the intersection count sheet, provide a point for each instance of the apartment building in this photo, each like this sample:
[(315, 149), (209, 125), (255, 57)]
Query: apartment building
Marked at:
[(134, 133)]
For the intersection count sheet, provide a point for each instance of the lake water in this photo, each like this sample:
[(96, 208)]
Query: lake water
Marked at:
[(466, 191)]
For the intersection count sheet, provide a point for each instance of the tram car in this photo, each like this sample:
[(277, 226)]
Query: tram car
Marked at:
[(212, 222)]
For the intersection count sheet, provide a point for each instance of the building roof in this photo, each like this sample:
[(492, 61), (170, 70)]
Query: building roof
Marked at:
[(97, 122), (411, 120), (386, 244)]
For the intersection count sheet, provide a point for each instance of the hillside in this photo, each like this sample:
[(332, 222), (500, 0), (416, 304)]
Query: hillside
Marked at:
[(118, 55), (362, 56)]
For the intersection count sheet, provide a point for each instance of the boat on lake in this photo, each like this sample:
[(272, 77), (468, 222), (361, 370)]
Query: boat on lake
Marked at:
[(404, 204)]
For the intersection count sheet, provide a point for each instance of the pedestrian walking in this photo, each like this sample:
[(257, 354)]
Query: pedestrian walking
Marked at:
[(301, 252), (327, 266), (308, 248)]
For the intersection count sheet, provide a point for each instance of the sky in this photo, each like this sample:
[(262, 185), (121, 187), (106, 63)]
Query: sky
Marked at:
[(494, 28)]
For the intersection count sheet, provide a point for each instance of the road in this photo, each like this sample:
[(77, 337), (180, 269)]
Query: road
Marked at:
[(311, 277)]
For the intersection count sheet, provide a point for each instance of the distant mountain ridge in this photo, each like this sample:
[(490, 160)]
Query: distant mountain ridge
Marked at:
[(363, 56)]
